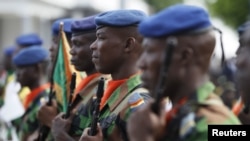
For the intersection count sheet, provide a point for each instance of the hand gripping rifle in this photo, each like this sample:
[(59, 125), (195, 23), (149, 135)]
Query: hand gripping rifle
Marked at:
[(160, 88), (72, 89), (96, 112)]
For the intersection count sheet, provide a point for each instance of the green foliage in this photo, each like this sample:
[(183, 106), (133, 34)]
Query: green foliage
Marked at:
[(158, 5), (232, 12)]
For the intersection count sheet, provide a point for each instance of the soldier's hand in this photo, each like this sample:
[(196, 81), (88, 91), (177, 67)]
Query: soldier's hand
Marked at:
[(86, 137), (60, 126), (145, 125), (47, 113)]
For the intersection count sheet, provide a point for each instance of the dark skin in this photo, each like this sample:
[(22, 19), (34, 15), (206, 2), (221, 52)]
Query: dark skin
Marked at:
[(8, 66), (53, 48), (29, 76), (47, 113), (81, 53), (190, 61), (243, 75), (82, 61), (98, 137), (115, 52), (8, 63)]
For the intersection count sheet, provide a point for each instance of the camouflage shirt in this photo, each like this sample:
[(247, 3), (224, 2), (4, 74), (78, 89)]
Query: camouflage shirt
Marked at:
[(125, 99), (30, 123), (191, 120)]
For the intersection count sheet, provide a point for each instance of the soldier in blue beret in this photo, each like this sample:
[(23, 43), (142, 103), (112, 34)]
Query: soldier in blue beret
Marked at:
[(55, 34), (47, 113), (27, 40), (8, 71), (29, 64), (116, 51), (178, 43), (83, 35), (242, 28), (242, 106)]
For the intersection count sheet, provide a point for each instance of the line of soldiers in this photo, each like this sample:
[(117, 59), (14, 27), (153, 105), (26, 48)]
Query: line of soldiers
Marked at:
[(156, 72)]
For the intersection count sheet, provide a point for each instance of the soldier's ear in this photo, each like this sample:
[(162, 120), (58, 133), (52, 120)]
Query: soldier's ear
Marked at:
[(186, 55), (130, 44)]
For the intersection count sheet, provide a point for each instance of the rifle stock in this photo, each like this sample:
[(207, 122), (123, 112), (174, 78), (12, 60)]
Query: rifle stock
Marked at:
[(160, 88), (99, 94)]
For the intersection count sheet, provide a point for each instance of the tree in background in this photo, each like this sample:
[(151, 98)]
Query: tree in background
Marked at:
[(232, 12), (158, 5)]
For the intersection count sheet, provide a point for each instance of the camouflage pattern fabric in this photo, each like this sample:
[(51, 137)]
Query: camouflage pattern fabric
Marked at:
[(201, 109), (30, 122), (124, 100)]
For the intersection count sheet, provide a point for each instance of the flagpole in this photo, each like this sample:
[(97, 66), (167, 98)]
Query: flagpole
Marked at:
[(44, 130)]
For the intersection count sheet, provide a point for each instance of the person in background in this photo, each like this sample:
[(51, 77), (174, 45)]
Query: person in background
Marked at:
[(8, 71), (47, 113), (30, 73), (241, 108), (25, 41)]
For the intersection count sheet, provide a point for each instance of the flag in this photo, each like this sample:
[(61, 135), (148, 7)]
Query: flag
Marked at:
[(63, 71)]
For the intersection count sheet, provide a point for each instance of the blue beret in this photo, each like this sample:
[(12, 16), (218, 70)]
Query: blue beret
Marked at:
[(119, 18), (243, 27), (29, 40), (9, 50), (176, 19), (30, 56), (84, 25), (66, 27)]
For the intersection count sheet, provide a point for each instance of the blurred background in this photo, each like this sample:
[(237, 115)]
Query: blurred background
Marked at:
[(35, 16)]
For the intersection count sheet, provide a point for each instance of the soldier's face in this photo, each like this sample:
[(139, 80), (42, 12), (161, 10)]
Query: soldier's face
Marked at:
[(81, 53), (243, 63), (53, 48), (108, 50), (26, 75), (150, 62)]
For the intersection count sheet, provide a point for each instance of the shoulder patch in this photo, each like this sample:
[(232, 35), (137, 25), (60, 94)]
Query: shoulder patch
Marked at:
[(135, 101)]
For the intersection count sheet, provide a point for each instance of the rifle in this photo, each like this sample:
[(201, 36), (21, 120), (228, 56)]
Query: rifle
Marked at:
[(72, 88), (96, 112), (160, 88)]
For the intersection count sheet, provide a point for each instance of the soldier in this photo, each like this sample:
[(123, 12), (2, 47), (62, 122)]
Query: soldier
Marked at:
[(241, 109), (47, 113), (188, 31), (30, 72), (27, 40), (116, 51), (24, 41), (7, 79), (8, 73), (51, 111), (55, 35), (83, 34)]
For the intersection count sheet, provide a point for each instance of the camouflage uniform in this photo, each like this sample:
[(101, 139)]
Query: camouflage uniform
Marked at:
[(30, 122), (187, 125), (116, 110)]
